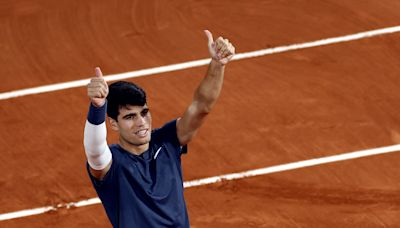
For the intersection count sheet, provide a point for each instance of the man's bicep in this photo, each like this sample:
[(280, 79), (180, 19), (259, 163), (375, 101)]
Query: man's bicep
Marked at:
[(190, 122)]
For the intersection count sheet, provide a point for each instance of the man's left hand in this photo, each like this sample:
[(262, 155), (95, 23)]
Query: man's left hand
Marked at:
[(221, 50)]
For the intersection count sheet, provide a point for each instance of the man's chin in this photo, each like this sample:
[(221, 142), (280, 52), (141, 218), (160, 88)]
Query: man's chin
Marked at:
[(141, 142)]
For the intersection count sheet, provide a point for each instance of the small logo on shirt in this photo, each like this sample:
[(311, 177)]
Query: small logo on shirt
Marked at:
[(158, 151)]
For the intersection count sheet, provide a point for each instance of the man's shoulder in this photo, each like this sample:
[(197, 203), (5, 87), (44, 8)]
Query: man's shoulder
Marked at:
[(167, 130), (167, 136), (116, 150), (114, 147)]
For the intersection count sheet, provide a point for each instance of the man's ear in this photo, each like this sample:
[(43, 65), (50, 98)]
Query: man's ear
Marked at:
[(113, 124)]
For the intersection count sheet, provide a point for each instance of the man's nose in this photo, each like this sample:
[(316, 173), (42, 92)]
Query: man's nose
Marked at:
[(140, 121)]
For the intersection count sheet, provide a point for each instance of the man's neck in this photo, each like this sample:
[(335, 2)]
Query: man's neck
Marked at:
[(134, 149)]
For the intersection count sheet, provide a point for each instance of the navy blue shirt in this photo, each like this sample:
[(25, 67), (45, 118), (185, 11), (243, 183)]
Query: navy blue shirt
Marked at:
[(146, 190)]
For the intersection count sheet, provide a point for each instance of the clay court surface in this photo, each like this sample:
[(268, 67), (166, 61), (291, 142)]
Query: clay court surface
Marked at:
[(274, 109)]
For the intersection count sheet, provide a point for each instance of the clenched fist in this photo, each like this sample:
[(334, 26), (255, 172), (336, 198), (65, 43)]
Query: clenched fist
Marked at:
[(221, 50), (97, 89)]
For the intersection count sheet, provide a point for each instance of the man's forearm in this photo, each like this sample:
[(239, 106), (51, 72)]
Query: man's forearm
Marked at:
[(210, 87), (97, 152), (207, 93)]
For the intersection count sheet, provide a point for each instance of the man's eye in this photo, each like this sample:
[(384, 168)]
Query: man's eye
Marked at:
[(144, 112)]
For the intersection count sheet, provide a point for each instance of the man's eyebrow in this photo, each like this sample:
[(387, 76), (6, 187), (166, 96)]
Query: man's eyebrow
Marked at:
[(129, 115)]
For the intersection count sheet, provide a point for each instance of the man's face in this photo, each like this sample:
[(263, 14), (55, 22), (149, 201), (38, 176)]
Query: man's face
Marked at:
[(134, 125)]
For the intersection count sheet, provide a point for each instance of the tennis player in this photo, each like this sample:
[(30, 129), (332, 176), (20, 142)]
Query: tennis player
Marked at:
[(139, 180)]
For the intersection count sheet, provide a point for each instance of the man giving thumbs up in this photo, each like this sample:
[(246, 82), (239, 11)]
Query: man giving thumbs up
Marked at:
[(139, 180)]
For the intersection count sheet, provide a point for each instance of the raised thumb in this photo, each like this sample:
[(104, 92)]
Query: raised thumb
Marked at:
[(99, 74), (209, 37)]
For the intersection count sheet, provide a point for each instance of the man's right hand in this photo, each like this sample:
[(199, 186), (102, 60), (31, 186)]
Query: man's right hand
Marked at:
[(97, 89)]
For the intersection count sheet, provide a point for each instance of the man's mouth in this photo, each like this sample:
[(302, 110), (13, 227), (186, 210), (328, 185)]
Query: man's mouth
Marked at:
[(142, 133)]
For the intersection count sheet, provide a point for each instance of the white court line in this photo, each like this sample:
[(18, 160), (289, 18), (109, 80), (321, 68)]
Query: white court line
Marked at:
[(191, 64), (215, 179), (196, 63)]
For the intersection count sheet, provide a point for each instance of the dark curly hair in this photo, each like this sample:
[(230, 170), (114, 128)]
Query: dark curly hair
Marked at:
[(121, 94)]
